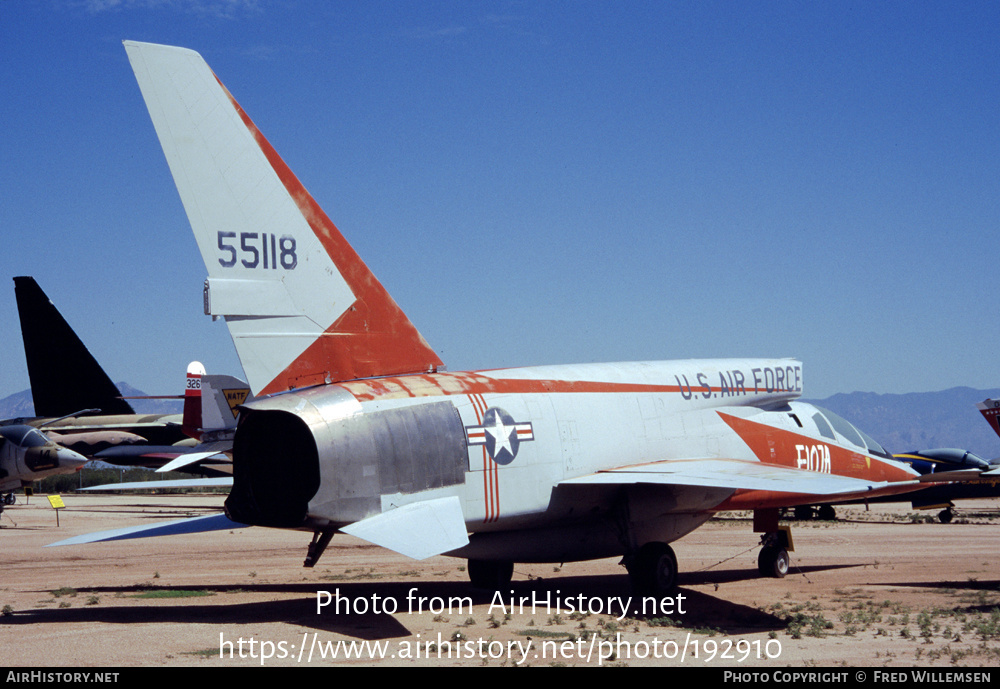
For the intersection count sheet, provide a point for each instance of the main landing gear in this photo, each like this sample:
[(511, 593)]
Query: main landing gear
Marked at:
[(491, 575), (652, 569), (806, 512)]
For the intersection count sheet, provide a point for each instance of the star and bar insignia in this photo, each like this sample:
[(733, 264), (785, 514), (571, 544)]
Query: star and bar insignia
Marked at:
[(501, 435)]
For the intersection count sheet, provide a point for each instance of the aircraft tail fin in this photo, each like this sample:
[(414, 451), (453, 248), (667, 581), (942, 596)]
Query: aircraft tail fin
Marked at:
[(302, 307), (221, 395), (64, 375), (990, 409), (191, 419), (211, 401)]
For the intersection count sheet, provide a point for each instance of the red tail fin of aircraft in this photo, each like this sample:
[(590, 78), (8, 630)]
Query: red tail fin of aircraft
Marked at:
[(990, 409), (191, 421)]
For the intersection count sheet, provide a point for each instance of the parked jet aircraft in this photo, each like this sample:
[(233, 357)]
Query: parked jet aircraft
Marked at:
[(358, 428), (982, 481), (74, 399), (26, 455), (78, 407), (985, 485)]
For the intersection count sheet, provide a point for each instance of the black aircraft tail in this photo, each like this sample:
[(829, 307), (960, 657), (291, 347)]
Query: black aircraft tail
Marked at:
[(65, 377)]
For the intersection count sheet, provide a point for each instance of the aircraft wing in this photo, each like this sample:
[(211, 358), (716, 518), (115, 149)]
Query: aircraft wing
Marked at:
[(729, 473), (418, 530), (220, 482), (211, 522), (178, 463)]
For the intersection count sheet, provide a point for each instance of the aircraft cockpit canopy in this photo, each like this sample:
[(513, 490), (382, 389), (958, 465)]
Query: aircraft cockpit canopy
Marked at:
[(23, 436), (837, 428)]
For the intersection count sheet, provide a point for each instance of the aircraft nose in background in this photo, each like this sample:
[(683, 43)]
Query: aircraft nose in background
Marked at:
[(69, 459)]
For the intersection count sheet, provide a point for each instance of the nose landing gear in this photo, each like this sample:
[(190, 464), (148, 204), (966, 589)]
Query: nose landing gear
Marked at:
[(776, 541)]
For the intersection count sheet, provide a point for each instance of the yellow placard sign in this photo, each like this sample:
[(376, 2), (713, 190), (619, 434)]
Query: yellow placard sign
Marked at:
[(56, 501)]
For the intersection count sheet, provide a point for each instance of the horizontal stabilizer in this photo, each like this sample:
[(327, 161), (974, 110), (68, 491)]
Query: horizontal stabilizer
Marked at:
[(730, 473), (188, 459), (152, 485), (212, 522), (418, 530)]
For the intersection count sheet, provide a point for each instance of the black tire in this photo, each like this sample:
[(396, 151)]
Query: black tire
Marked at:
[(653, 570), (773, 562), (945, 516), (490, 574), (827, 513)]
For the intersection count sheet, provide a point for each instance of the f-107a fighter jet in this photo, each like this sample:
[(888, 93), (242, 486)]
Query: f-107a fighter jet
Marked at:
[(357, 427)]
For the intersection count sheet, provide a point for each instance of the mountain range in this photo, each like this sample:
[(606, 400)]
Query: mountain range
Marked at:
[(20, 405), (920, 420)]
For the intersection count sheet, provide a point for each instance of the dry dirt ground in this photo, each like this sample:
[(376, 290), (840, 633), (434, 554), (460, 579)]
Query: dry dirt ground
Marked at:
[(873, 589)]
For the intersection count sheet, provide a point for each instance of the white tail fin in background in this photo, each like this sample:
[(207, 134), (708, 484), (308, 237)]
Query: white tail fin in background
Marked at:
[(302, 307), (221, 396)]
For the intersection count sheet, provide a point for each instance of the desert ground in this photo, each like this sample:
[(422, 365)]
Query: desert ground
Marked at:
[(878, 587)]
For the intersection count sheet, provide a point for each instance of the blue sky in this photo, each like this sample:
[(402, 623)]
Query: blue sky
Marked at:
[(541, 182)]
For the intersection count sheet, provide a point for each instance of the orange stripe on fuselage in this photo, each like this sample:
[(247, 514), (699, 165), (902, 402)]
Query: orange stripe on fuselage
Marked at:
[(437, 384), (491, 478)]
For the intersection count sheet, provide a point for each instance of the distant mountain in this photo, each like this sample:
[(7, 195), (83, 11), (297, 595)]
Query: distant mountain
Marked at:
[(149, 406), (920, 420), (19, 404)]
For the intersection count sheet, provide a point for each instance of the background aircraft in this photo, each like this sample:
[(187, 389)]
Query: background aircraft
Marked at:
[(990, 409), (938, 461), (26, 455), (976, 477), (358, 428), (78, 407), (74, 399), (65, 377)]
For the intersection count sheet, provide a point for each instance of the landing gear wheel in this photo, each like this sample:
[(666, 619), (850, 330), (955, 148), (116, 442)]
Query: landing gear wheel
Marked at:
[(945, 516), (9, 499), (803, 513), (490, 574), (653, 569), (773, 562), (827, 513)]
